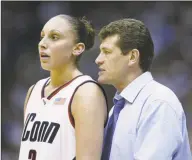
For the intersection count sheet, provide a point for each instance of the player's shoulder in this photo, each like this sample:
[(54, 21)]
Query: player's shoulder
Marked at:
[(43, 80), (90, 88), (91, 96), (38, 83)]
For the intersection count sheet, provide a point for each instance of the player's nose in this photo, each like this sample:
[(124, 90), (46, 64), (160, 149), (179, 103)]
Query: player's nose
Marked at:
[(42, 44)]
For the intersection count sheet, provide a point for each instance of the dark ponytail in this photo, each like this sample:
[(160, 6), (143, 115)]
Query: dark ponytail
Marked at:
[(86, 33), (84, 30)]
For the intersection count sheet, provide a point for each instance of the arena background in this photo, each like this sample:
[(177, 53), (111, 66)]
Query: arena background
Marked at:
[(170, 25)]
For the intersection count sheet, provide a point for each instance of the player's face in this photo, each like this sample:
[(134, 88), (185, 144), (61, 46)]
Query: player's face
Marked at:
[(56, 45), (112, 63)]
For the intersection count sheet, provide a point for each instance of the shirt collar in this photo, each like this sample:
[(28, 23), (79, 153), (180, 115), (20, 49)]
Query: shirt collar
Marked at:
[(132, 90)]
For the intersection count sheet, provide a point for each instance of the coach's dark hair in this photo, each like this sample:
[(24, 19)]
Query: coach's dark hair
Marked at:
[(133, 35), (84, 29)]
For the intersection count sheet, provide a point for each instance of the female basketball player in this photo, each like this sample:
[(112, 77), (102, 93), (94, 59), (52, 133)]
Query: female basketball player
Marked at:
[(64, 114)]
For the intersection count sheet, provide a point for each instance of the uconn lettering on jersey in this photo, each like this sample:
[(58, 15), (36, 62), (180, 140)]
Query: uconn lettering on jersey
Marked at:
[(43, 131)]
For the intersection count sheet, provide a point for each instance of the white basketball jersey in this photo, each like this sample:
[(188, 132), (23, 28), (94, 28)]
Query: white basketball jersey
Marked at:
[(48, 132)]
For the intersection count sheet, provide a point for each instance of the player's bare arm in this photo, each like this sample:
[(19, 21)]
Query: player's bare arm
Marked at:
[(27, 98), (90, 112)]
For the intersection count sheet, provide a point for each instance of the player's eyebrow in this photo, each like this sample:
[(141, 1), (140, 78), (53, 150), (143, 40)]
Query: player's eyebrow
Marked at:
[(52, 31)]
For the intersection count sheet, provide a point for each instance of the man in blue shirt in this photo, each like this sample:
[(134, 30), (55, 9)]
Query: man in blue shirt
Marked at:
[(149, 123)]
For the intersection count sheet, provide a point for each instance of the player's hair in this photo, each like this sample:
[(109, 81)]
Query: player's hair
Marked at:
[(84, 31), (133, 35)]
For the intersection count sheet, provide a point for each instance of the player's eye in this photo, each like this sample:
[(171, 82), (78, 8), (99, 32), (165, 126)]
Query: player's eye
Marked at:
[(41, 37), (54, 37)]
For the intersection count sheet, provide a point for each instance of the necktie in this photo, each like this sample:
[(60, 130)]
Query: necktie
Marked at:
[(119, 104)]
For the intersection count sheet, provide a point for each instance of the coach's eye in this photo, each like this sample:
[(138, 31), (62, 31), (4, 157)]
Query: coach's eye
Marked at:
[(107, 52)]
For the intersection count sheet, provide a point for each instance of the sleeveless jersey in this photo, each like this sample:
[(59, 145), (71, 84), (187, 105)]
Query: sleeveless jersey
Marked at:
[(48, 132)]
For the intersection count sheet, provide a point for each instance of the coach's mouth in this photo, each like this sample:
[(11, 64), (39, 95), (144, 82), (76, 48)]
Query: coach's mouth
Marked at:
[(101, 69)]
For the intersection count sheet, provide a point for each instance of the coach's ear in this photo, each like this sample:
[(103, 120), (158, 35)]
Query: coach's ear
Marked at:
[(133, 56), (78, 49)]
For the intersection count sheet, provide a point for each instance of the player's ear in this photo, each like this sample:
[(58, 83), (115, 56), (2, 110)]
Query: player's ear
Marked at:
[(78, 49)]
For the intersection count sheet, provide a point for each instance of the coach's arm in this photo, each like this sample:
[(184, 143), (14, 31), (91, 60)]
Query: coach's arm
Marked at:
[(161, 133)]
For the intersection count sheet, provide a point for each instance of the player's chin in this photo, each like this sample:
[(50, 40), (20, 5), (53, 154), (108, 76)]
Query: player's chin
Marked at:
[(46, 67)]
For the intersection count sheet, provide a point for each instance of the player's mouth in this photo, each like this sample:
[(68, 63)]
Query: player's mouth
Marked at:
[(44, 56)]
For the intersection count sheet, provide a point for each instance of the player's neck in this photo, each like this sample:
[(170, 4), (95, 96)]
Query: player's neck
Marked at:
[(62, 76)]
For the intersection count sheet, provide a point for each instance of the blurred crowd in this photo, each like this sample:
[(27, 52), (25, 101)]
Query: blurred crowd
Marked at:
[(170, 25)]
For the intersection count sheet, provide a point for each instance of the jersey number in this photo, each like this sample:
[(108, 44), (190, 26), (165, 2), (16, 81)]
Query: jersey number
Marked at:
[(32, 154)]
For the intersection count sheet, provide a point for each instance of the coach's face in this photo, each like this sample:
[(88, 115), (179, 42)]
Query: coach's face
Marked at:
[(112, 63)]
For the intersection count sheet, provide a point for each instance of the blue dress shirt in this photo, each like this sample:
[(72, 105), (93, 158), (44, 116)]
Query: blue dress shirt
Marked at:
[(152, 125)]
